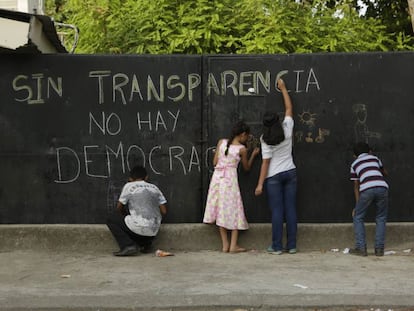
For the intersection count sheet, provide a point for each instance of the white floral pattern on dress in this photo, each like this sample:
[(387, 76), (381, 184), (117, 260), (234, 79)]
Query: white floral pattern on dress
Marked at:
[(224, 202)]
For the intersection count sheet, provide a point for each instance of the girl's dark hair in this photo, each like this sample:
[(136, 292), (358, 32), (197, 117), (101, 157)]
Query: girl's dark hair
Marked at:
[(273, 133), (238, 128)]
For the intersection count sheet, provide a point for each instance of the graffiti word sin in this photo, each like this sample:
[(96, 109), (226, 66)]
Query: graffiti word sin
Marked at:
[(36, 88)]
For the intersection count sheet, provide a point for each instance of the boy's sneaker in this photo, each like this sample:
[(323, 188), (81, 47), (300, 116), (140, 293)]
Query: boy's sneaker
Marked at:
[(358, 252), (127, 251), (379, 252), (146, 249), (292, 251), (270, 250)]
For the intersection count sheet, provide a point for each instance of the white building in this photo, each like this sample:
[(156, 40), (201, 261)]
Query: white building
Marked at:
[(27, 6), (24, 28)]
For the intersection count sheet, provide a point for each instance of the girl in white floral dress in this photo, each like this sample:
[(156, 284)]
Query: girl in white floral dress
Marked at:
[(224, 205)]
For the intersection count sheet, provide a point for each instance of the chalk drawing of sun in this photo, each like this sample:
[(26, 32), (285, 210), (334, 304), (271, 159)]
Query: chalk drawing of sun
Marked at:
[(308, 118)]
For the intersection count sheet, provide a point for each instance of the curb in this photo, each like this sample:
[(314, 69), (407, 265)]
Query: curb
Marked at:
[(192, 237)]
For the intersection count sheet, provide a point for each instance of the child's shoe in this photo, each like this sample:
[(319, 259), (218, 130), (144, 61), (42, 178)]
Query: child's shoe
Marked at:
[(358, 252), (270, 250)]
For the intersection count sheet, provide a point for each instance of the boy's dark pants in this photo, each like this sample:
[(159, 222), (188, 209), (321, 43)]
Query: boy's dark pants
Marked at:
[(123, 235)]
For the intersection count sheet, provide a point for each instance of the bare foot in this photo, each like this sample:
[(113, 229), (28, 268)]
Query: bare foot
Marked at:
[(225, 248), (238, 249)]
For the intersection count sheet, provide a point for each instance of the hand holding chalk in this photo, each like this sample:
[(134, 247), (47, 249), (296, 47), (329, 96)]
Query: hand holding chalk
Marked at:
[(281, 84)]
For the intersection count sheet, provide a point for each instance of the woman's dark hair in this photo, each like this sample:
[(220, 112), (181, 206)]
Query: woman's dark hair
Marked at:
[(361, 147), (273, 133), (239, 128)]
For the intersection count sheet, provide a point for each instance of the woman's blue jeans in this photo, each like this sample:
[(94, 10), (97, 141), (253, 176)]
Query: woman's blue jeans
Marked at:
[(379, 197), (281, 196)]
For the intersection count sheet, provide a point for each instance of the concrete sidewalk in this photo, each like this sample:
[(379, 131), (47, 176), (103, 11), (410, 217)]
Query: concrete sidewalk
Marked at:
[(70, 267), (205, 280)]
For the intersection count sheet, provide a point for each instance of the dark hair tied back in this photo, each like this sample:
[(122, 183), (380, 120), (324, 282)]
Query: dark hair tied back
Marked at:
[(270, 119), (273, 133), (239, 128)]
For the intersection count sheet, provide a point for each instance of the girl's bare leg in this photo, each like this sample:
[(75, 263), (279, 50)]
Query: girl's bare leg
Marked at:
[(234, 248), (224, 239)]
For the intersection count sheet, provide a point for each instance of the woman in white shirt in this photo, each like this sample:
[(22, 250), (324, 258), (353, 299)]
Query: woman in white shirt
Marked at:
[(278, 174)]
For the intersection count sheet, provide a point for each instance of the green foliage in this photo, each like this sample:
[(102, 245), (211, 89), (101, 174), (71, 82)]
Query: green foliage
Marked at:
[(223, 27), (393, 14)]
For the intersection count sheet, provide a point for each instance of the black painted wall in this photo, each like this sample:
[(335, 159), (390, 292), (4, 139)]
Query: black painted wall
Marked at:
[(72, 126)]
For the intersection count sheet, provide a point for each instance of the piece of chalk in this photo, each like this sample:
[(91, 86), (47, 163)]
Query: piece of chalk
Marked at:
[(251, 90)]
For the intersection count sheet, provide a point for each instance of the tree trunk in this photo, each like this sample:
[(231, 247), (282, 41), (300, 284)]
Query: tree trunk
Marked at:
[(411, 9)]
